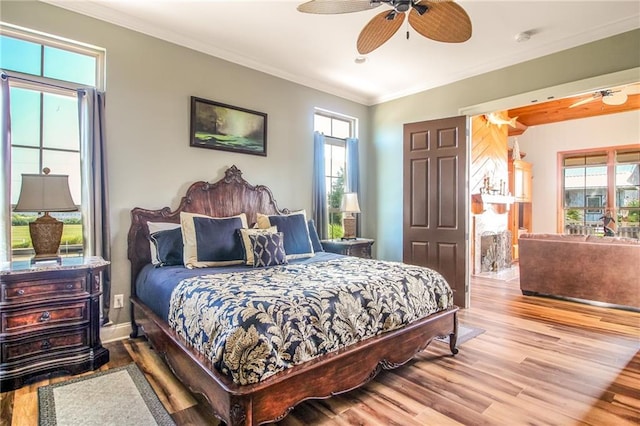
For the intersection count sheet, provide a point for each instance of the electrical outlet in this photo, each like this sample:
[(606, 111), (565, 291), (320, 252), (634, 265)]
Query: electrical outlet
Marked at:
[(118, 301)]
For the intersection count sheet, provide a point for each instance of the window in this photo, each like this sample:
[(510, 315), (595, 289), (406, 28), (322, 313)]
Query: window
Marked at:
[(336, 130), (44, 123), (627, 190), (596, 183)]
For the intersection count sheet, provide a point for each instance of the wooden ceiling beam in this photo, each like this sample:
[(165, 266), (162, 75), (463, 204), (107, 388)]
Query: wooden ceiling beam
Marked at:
[(559, 110)]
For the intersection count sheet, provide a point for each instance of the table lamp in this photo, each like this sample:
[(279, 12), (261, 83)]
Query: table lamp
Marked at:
[(349, 206), (45, 193)]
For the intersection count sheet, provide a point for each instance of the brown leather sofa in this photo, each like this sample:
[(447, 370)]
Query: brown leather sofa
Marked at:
[(588, 267)]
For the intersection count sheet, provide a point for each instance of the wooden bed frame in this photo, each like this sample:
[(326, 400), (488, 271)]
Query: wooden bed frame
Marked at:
[(272, 399)]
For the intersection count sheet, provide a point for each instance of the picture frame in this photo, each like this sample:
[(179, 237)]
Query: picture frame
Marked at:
[(215, 125)]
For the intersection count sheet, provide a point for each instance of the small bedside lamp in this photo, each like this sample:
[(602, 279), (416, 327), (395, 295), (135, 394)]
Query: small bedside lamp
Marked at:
[(349, 206), (45, 193)]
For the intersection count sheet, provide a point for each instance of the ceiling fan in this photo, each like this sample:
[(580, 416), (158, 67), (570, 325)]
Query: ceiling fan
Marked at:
[(614, 96), (439, 20)]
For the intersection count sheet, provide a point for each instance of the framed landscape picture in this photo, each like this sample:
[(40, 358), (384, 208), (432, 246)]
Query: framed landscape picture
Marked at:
[(227, 128)]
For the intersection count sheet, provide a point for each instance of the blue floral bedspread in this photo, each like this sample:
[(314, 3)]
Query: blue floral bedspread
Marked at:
[(252, 325)]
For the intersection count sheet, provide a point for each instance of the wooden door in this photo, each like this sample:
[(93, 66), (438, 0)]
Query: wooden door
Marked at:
[(435, 202)]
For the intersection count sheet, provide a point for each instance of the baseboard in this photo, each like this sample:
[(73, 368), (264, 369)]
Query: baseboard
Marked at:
[(114, 332)]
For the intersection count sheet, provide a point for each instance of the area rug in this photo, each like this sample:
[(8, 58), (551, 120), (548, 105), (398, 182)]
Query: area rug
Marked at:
[(119, 396), (465, 333)]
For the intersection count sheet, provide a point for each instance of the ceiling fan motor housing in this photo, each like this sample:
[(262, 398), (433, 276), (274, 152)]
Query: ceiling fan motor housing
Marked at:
[(399, 5), (438, 20)]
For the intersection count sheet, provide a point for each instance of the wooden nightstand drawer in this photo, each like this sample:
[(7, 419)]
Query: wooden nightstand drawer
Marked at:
[(51, 316), (43, 289), (52, 342), (363, 251)]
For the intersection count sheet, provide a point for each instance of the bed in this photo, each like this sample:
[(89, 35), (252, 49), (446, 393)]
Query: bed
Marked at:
[(268, 394)]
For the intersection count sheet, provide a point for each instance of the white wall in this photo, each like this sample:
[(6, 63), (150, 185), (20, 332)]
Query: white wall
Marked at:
[(542, 144), (149, 84)]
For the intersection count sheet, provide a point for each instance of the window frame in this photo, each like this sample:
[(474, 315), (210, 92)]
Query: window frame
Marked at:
[(99, 54), (330, 139), (611, 188), (44, 86)]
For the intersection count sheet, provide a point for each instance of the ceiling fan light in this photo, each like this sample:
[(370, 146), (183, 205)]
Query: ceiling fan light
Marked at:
[(617, 98)]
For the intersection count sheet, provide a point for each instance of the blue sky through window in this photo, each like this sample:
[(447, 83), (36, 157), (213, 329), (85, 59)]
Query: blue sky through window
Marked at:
[(20, 55), (44, 125)]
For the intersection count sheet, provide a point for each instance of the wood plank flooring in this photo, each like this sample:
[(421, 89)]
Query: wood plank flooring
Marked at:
[(541, 361)]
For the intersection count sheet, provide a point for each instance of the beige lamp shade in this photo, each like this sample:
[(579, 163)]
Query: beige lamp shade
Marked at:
[(349, 205), (45, 193)]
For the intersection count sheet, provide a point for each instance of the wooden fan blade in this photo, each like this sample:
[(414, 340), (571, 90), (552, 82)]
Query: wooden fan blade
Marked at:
[(336, 6), (443, 21), (632, 89), (584, 101), (379, 30)]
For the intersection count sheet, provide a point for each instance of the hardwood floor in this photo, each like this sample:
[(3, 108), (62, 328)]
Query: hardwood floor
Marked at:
[(540, 361)]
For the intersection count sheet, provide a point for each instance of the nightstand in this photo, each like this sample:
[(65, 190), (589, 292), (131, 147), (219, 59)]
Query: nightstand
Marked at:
[(360, 247), (49, 320)]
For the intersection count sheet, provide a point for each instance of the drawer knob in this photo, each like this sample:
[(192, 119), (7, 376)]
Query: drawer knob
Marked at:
[(21, 292), (69, 286), (46, 316), (46, 344)]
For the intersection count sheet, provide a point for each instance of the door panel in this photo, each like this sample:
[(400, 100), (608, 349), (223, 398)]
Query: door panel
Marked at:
[(435, 205), (419, 184)]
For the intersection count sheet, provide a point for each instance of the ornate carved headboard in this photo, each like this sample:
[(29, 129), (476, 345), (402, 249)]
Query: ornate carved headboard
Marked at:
[(229, 196)]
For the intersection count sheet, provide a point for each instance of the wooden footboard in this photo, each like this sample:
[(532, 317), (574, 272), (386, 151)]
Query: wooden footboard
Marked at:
[(323, 377)]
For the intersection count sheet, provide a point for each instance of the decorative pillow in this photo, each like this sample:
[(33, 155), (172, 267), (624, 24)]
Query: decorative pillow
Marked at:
[(313, 235), (246, 242), (212, 241), (297, 243), (155, 227), (168, 246), (268, 249)]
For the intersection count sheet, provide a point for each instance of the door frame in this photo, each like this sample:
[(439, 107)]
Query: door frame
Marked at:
[(588, 85)]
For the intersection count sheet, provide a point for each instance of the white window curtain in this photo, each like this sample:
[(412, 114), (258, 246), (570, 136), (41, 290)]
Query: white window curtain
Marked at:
[(320, 215), (95, 199), (5, 160), (353, 174)]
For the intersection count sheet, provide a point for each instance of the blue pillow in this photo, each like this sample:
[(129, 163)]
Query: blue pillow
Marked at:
[(297, 243), (214, 241), (217, 240), (169, 247), (313, 235), (268, 249)]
